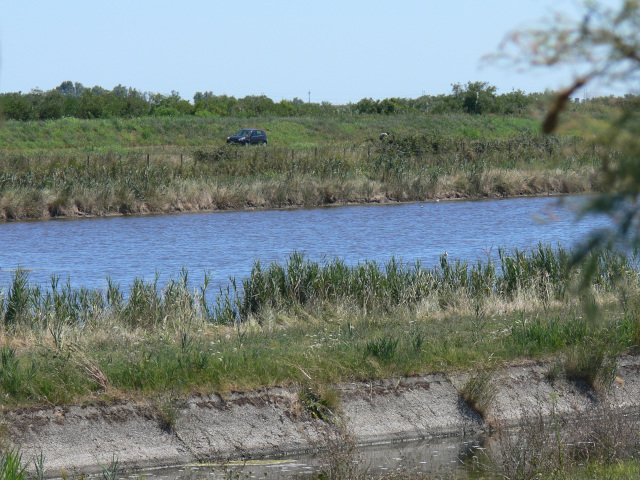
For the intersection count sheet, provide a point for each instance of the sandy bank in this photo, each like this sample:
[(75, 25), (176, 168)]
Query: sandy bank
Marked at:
[(274, 422)]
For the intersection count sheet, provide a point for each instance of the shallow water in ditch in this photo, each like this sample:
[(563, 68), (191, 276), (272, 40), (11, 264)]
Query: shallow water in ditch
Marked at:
[(445, 456)]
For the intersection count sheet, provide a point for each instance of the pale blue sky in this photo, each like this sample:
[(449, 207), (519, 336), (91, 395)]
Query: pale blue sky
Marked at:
[(341, 51)]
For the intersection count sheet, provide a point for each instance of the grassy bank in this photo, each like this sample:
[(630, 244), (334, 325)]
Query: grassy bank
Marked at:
[(77, 136), (313, 323), (80, 167)]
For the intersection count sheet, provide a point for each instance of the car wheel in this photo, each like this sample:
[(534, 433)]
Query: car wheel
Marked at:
[(264, 142)]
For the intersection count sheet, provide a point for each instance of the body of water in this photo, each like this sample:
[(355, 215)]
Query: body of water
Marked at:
[(451, 457), (87, 251)]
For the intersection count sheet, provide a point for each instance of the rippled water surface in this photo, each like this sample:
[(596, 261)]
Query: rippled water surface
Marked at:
[(86, 251)]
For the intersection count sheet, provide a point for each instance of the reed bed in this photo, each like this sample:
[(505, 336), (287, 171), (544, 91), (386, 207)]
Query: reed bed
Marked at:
[(73, 167), (45, 184), (312, 321), (544, 271)]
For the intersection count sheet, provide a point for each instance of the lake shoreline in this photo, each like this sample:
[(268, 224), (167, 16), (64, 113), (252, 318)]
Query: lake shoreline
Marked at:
[(75, 214), (274, 422)]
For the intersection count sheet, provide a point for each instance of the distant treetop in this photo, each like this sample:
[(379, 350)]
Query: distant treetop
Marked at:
[(71, 99)]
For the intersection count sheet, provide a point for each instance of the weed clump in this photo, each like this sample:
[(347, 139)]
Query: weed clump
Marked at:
[(592, 363), (319, 404), (479, 390)]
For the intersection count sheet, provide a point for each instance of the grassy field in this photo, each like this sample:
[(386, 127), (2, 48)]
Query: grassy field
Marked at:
[(88, 136), (73, 167)]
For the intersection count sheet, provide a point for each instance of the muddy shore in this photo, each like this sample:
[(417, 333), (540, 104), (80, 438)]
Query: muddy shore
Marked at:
[(273, 422)]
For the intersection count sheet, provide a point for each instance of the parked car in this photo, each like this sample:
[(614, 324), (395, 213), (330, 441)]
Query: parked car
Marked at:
[(248, 136)]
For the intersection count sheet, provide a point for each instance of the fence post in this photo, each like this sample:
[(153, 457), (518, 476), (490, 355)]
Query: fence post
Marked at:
[(293, 154), (180, 160), (369, 151), (87, 160), (315, 152), (148, 159)]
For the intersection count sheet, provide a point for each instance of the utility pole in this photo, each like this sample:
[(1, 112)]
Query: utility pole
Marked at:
[(309, 96)]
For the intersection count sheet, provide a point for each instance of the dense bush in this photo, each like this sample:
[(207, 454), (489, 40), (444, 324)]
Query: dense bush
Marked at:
[(74, 100)]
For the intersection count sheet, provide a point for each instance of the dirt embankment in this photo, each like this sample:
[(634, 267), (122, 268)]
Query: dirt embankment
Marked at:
[(273, 422)]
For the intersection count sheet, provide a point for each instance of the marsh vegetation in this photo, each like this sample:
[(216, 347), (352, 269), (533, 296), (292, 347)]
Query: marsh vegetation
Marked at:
[(73, 167), (323, 322)]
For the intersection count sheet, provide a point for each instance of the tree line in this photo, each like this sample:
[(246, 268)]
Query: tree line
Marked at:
[(74, 100)]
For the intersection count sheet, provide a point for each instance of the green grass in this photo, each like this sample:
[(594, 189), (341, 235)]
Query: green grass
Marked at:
[(619, 470), (99, 167), (317, 324), (11, 467), (92, 135), (301, 320)]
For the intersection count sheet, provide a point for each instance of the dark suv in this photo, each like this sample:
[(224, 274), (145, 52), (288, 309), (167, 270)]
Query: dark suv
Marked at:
[(248, 136)]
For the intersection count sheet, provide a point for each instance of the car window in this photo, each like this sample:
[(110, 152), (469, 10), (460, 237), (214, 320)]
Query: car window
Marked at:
[(245, 132)]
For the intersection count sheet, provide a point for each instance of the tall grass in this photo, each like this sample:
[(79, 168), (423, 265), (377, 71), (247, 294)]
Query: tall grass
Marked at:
[(11, 467), (129, 186), (301, 319), (116, 168), (545, 271)]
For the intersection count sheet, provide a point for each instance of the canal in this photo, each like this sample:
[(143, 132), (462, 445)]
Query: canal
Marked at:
[(226, 244)]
